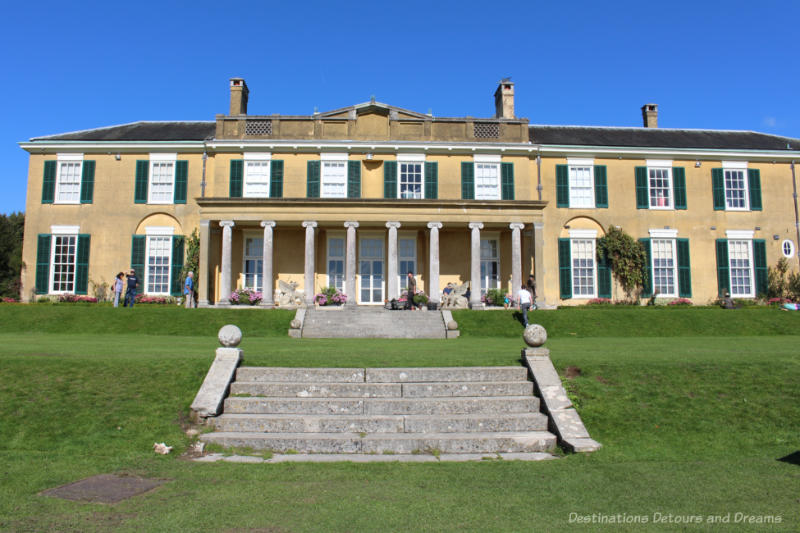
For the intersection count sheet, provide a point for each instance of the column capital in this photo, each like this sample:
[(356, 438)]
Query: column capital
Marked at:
[(516, 225), (205, 222), (226, 223), (393, 224), (265, 223), (476, 225), (432, 225), (351, 224), (309, 223)]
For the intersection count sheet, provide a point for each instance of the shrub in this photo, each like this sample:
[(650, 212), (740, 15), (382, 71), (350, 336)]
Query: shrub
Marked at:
[(330, 296), (495, 296), (6, 300), (777, 284), (420, 298), (599, 301), (75, 298), (627, 258), (245, 297), (680, 301)]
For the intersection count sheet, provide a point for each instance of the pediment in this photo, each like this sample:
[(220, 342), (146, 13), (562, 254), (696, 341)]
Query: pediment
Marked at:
[(373, 108)]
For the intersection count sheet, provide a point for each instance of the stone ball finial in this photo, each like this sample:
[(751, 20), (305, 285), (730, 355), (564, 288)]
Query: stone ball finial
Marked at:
[(230, 336), (535, 335), (452, 325)]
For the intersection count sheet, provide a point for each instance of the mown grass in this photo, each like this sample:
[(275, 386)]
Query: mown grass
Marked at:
[(691, 425)]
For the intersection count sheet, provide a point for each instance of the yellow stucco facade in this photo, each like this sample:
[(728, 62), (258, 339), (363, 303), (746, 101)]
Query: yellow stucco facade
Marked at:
[(493, 180)]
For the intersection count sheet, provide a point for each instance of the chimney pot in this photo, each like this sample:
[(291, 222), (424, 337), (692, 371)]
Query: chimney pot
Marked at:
[(650, 115), (239, 95), (504, 99)]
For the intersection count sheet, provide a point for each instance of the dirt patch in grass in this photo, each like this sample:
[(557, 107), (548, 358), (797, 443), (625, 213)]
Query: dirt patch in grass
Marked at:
[(104, 488), (572, 372)]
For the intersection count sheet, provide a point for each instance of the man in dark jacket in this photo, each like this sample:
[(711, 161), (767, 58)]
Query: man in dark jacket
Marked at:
[(412, 290), (130, 294)]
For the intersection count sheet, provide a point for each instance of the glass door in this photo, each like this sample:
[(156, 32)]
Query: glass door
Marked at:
[(371, 270)]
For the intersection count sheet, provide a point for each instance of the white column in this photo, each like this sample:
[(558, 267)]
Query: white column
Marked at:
[(538, 260), (434, 291), (225, 282), (516, 256), (266, 265), (350, 263), (308, 279), (202, 275), (475, 266), (393, 291)]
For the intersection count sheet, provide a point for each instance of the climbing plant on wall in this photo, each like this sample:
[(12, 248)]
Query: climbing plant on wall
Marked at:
[(628, 260)]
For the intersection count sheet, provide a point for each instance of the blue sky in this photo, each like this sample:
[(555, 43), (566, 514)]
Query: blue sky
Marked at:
[(720, 65)]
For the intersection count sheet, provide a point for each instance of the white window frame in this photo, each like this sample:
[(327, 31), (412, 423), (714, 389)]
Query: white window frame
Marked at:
[(742, 236), (493, 236), (736, 166), (410, 159), (252, 161), (670, 237), (68, 160), (402, 273), (384, 276), (161, 159), (61, 232), (666, 166), (576, 235), (573, 166), (328, 161), (158, 232), (487, 161), (257, 276), (787, 243), (343, 258)]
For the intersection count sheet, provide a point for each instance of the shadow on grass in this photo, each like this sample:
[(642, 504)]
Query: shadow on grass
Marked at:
[(792, 459)]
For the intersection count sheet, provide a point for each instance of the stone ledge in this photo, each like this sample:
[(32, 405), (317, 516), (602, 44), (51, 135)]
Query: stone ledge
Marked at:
[(208, 401), (375, 458)]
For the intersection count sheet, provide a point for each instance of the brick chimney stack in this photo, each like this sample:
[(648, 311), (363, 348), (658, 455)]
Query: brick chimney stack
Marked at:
[(650, 115), (504, 99), (239, 94)]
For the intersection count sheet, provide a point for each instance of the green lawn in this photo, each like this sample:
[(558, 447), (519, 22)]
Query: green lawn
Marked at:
[(693, 422)]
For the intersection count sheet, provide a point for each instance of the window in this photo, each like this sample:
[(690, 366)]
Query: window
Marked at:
[(64, 253), (336, 253), (741, 267), (410, 180), (788, 248), (256, 179), (581, 186), (660, 187), (487, 181), (664, 267), (162, 181), (68, 183), (583, 268), (253, 262), (490, 264), (735, 189), (406, 260), (159, 251), (334, 179)]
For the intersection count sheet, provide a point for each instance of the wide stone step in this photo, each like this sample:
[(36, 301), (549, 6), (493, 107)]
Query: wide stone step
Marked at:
[(380, 424), (446, 374), (317, 390), (382, 406), (465, 389), (528, 441), (288, 374)]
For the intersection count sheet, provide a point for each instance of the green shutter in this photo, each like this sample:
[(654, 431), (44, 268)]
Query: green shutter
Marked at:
[(642, 196), (177, 266), (236, 183), (140, 188), (723, 274), (432, 180), (390, 179), (604, 277), (754, 183), (760, 261), (43, 264), (647, 272), (87, 182), (679, 187), (354, 179), (562, 186), (467, 180), (82, 264), (565, 268), (507, 181), (181, 182), (49, 182), (276, 179), (138, 249), (684, 269), (312, 179), (718, 189), (600, 189)]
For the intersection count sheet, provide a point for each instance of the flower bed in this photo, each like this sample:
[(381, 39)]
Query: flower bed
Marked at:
[(6, 300), (245, 297), (157, 300), (330, 296)]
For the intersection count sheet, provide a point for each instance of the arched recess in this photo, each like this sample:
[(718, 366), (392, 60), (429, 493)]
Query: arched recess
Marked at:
[(159, 220), (582, 223), (157, 254)]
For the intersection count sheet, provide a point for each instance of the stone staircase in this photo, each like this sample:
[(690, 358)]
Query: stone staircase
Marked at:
[(372, 322), (462, 410)]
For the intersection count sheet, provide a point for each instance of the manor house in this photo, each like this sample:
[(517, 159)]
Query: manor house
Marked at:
[(358, 196)]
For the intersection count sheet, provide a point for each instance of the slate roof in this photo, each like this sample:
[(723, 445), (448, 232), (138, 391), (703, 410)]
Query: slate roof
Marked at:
[(660, 138), (141, 131)]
